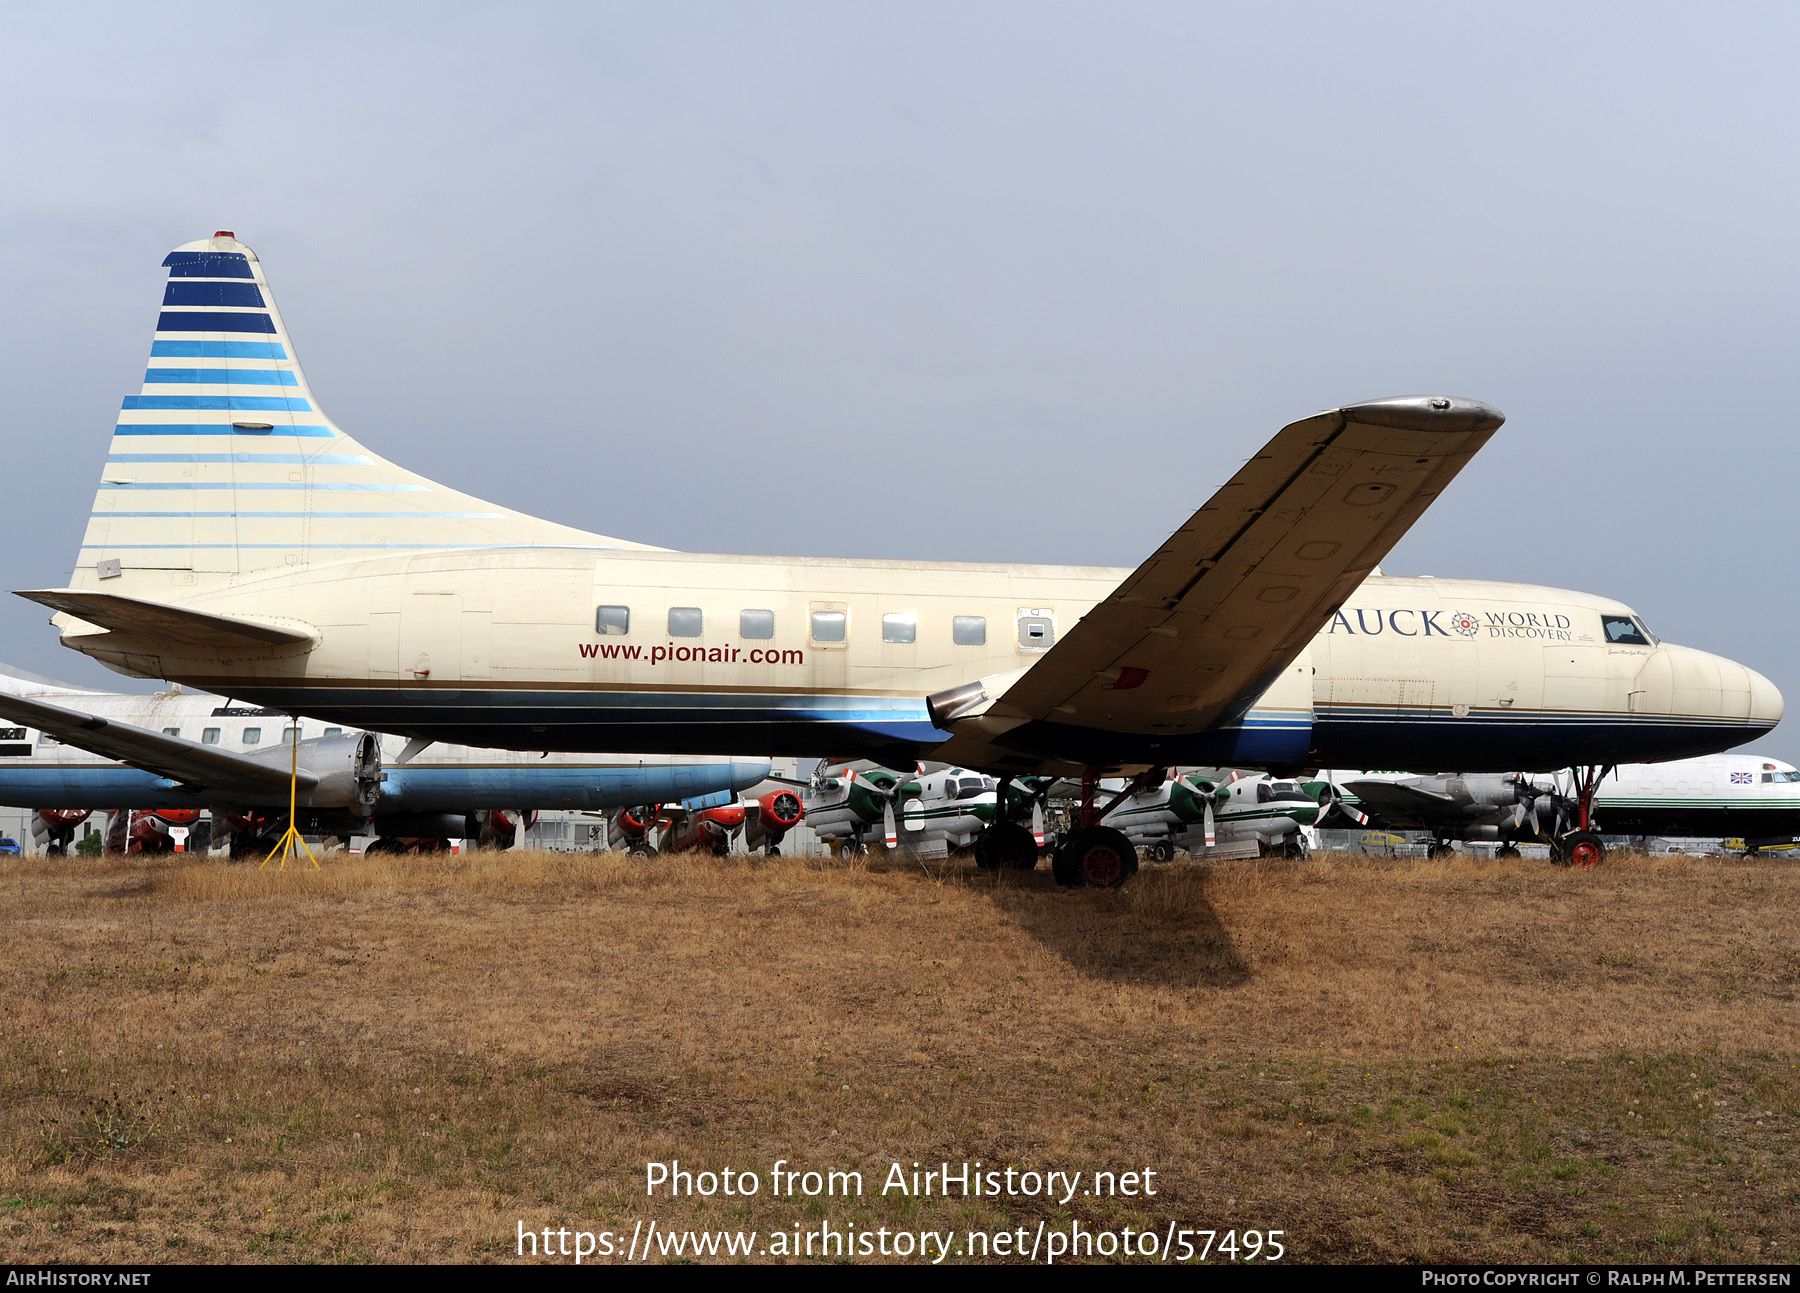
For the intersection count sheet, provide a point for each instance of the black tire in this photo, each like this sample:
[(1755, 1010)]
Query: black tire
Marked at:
[(1507, 851), (1160, 851), (1097, 856), (1006, 847), (852, 848), (640, 849), (1294, 848), (773, 851)]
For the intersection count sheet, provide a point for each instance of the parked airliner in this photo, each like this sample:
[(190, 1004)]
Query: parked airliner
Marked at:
[(240, 541)]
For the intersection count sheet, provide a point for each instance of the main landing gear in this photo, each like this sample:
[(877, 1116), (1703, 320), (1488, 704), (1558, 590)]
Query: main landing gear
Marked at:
[(1583, 846), (1098, 855), (1008, 845)]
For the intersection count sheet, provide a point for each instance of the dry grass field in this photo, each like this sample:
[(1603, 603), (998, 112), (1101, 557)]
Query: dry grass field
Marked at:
[(402, 1059)]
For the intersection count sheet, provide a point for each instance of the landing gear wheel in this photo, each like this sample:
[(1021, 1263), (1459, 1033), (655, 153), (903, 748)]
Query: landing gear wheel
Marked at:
[(1294, 848), (1439, 848), (852, 848), (1160, 851), (1507, 851), (375, 848), (1098, 856), (640, 849), (772, 852), (1582, 849), (1006, 847)]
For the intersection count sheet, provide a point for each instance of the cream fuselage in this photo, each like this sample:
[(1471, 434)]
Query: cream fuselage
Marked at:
[(500, 648)]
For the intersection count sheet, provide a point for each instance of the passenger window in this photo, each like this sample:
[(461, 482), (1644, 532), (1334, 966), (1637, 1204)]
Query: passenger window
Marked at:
[(684, 621), (756, 626), (334, 731), (1622, 628), (171, 731), (1037, 631), (612, 621), (830, 626), (210, 736), (900, 628), (969, 630), (288, 734), (252, 735)]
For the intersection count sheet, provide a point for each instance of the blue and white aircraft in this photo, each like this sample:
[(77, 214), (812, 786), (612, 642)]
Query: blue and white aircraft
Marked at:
[(71, 750)]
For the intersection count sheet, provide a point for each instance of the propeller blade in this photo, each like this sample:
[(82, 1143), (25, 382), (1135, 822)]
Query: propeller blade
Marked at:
[(1211, 835), (1037, 822), (887, 824)]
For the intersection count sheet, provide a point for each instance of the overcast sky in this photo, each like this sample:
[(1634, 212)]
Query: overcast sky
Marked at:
[(979, 281)]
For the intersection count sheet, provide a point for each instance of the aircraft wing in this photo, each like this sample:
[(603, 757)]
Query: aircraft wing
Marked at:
[(204, 770), (1197, 632), (1405, 806)]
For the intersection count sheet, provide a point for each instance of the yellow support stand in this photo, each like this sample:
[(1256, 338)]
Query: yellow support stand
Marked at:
[(291, 844)]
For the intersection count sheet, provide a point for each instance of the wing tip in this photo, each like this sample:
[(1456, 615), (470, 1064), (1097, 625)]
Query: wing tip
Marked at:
[(1426, 413)]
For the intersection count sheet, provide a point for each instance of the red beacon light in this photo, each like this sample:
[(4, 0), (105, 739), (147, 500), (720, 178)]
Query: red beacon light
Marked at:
[(223, 233)]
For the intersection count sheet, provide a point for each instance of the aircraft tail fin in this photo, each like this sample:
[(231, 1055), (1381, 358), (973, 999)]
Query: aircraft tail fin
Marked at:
[(224, 465)]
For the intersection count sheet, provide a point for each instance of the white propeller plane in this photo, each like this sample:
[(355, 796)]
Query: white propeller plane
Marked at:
[(240, 541), (1207, 814)]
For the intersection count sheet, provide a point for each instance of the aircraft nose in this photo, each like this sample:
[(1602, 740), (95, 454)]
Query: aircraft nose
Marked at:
[(1766, 704), (1696, 684)]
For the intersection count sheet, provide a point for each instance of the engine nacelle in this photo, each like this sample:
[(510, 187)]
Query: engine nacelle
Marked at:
[(496, 829), (777, 813), (53, 829), (629, 826), (348, 769), (708, 830)]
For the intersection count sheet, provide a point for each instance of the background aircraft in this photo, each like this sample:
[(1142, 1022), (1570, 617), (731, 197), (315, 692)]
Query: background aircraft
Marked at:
[(764, 819), (1201, 812), (1748, 796), (933, 807), (240, 541), (176, 753)]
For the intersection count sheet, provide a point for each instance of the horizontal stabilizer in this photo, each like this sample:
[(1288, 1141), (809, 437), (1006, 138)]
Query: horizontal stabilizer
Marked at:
[(157, 625), (203, 770)]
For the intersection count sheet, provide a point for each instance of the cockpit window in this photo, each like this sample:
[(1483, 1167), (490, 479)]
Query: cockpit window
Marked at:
[(1622, 628), (1268, 792)]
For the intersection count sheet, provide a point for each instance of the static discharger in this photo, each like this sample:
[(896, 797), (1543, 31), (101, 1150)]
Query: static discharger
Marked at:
[(292, 845)]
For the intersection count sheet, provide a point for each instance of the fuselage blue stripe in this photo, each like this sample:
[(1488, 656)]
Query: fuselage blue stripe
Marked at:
[(230, 403), (182, 321), (217, 350), (221, 428), (220, 376)]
